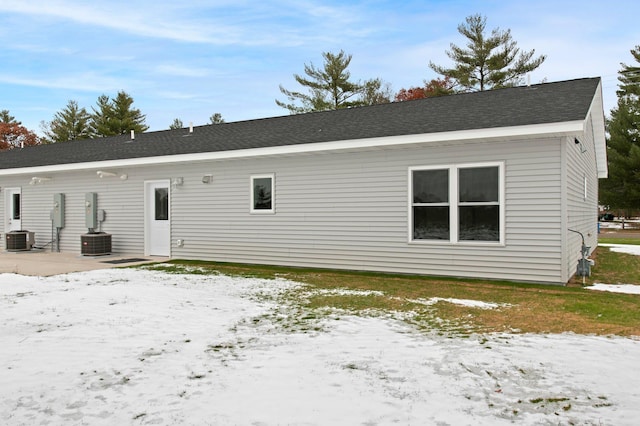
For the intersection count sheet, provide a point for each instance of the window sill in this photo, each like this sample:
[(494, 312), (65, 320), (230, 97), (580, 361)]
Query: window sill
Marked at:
[(458, 243)]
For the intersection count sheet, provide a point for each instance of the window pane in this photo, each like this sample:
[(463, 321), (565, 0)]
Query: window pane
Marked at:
[(162, 203), (431, 223), (478, 184), (431, 186), (262, 194), (15, 214), (479, 223)]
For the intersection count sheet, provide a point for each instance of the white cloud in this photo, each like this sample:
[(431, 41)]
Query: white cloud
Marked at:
[(90, 82), (182, 70), (142, 18)]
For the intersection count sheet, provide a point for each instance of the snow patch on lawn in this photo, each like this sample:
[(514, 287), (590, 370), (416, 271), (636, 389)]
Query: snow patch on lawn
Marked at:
[(133, 346), (463, 302), (616, 288), (623, 248), (347, 292)]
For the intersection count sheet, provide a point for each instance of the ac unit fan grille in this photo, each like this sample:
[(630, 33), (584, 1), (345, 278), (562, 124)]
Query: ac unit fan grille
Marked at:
[(95, 244)]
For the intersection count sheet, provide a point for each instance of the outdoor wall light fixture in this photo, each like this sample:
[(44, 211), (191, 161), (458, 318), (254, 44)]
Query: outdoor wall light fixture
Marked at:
[(207, 178), (102, 174), (577, 142), (38, 180), (176, 182)]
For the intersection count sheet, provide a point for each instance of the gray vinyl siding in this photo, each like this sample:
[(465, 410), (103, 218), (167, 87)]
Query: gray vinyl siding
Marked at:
[(351, 211), (122, 201), (343, 210), (582, 214)]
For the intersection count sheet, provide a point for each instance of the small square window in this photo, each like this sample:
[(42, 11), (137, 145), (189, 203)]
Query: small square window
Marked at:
[(263, 194)]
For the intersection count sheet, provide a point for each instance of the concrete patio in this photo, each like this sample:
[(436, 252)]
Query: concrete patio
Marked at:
[(45, 263)]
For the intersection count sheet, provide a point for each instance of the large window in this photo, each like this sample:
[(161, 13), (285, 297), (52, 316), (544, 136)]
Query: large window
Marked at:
[(431, 204), (262, 193), (457, 203)]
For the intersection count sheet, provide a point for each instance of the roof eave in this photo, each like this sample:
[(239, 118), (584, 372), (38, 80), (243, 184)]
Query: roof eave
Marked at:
[(571, 128)]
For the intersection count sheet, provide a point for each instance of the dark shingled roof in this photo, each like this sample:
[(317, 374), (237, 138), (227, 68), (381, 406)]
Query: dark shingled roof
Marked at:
[(535, 104)]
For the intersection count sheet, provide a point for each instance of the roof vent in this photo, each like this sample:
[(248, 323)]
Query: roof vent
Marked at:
[(191, 127), (133, 134)]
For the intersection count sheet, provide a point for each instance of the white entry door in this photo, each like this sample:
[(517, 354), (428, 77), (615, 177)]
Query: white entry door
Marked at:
[(13, 209), (157, 218)]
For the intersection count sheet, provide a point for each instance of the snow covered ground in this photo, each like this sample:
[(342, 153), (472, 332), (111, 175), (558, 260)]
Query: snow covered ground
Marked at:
[(630, 223), (123, 346), (623, 248)]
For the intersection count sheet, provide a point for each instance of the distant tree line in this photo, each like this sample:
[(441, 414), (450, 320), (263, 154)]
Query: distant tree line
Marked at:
[(13, 134), (216, 118), (620, 192), (489, 61), (110, 117)]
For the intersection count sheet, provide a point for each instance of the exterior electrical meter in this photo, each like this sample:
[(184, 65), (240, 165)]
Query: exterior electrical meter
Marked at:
[(91, 210), (57, 214)]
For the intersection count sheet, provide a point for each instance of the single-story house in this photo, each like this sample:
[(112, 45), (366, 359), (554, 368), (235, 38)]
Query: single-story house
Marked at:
[(488, 184)]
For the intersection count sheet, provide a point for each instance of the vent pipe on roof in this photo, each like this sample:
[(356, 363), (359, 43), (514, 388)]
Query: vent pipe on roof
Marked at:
[(133, 134), (191, 127)]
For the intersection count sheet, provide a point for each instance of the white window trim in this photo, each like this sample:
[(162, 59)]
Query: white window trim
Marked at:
[(454, 203), (272, 210)]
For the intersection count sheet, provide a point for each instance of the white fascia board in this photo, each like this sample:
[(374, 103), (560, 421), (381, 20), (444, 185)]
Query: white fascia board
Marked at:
[(515, 132), (596, 111)]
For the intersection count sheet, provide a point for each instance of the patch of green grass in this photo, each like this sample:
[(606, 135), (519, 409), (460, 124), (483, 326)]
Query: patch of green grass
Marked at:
[(179, 269), (615, 268), (557, 399), (630, 241), (523, 307)]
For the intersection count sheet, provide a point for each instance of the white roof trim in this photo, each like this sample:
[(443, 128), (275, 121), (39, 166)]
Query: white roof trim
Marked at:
[(596, 111), (548, 129)]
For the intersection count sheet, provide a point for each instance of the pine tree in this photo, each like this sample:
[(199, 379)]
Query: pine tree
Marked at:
[(216, 118), (375, 92), (487, 62), (177, 124), (116, 116), (330, 87), (621, 190), (100, 119), (69, 124), (7, 118)]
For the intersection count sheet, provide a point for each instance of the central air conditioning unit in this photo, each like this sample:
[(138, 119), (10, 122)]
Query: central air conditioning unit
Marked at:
[(19, 240), (95, 244)]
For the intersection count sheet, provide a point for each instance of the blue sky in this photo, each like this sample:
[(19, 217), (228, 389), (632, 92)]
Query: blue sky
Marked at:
[(193, 58)]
